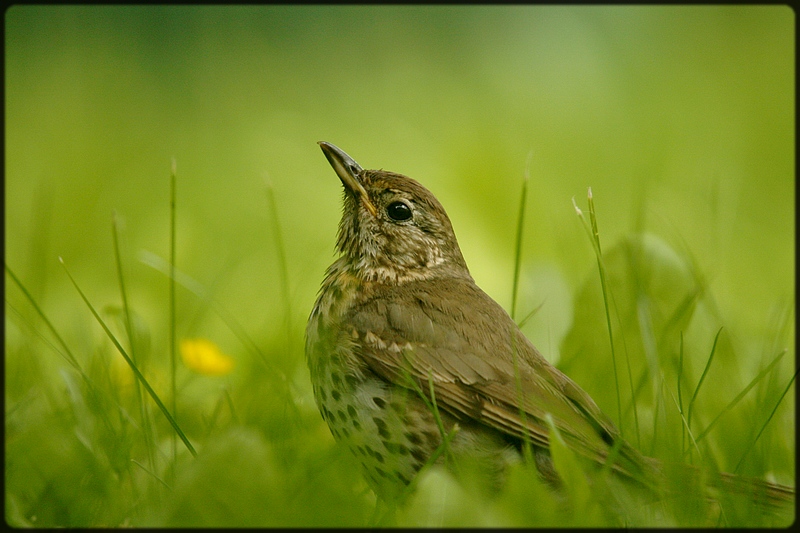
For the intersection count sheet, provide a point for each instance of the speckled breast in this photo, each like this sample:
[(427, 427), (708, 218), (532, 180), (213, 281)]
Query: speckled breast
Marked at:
[(388, 428)]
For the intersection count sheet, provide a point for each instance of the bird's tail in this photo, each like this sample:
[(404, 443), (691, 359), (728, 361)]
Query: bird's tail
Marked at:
[(720, 488), (671, 480)]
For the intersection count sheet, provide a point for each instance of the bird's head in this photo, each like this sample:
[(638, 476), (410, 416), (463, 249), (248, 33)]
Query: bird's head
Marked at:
[(392, 228)]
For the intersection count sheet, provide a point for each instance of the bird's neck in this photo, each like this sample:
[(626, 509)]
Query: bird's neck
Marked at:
[(371, 270), (346, 280)]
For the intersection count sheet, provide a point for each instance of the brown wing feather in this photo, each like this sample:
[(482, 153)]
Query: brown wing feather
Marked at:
[(472, 363)]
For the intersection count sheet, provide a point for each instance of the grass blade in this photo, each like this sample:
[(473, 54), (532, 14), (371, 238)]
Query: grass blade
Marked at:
[(128, 360), (527, 450), (22, 320), (69, 355), (172, 313), (146, 428), (760, 431), (529, 315), (680, 395), (702, 377), (140, 465), (741, 394), (447, 437), (430, 401), (283, 269), (594, 238), (685, 424), (518, 243)]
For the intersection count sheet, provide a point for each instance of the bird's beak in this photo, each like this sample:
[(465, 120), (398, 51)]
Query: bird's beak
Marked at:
[(347, 170)]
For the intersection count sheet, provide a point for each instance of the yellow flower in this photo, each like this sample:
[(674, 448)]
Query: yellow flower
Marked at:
[(205, 357)]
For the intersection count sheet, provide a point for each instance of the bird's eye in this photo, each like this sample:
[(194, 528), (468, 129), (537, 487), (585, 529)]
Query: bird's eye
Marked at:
[(398, 211)]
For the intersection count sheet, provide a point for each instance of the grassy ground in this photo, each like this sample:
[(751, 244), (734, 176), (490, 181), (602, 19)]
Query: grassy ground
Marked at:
[(679, 120)]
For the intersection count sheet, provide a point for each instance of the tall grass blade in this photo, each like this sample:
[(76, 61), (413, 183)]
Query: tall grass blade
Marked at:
[(683, 309), (231, 407), (173, 342), (146, 428), (68, 355), (527, 451), (741, 395), (518, 242), (283, 268), (429, 400), (447, 437), (680, 395), (32, 330), (594, 238), (140, 465), (128, 360), (67, 352), (530, 315), (702, 377), (760, 431), (685, 425), (443, 448)]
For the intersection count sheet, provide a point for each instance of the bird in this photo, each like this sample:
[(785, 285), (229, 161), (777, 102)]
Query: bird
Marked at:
[(409, 357)]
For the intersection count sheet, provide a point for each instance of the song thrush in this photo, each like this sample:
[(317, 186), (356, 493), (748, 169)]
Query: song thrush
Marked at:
[(399, 324)]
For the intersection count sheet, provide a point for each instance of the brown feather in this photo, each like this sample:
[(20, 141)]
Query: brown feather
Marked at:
[(478, 379)]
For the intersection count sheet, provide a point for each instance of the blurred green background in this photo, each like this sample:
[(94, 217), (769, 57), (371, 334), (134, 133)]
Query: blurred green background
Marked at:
[(680, 119)]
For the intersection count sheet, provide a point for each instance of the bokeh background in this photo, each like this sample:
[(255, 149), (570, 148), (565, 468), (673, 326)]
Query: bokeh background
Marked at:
[(680, 119)]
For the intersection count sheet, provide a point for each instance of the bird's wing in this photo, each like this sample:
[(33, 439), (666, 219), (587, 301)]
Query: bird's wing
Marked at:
[(481, 365)]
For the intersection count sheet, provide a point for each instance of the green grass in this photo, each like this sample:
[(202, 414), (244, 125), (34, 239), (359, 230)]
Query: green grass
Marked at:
[(264, 457), (679, 118)]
